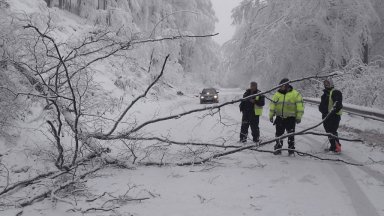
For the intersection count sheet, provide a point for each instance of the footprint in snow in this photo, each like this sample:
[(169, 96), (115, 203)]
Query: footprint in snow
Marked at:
[(281, 179), (175, 175), (308, 179)]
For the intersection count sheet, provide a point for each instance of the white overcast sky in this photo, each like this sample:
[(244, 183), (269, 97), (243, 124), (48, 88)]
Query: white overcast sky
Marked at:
[(223, 10)]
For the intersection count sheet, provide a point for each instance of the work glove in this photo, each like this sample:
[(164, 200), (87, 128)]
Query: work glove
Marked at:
[(298, 121)]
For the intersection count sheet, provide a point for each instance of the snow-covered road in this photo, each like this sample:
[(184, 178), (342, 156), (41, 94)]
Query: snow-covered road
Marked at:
[(250, 183), (246, 183)]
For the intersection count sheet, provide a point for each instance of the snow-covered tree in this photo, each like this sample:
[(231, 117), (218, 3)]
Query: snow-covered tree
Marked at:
[(293, 38), (153, 18), (11, 107), (377, 29)]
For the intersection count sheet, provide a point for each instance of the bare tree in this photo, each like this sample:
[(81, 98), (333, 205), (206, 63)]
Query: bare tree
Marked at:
[(61, 74)]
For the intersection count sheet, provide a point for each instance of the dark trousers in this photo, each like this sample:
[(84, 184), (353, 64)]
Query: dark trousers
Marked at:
[(331, 125), (282, 125), (250, 120)]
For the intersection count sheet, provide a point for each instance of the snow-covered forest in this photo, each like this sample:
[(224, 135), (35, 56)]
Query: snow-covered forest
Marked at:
[(298, 38), (100, 112)]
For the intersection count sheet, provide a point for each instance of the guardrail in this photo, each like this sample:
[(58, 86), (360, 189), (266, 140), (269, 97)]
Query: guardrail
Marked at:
[(353, 110)]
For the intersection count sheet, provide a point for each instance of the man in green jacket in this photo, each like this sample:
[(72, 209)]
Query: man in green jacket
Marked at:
[(288, 107)]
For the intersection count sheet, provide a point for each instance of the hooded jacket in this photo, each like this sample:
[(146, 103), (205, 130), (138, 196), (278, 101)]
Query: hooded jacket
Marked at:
[(248, 107), (287, 104)]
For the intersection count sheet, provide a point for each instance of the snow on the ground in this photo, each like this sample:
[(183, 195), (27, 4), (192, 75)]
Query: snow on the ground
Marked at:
[(246, 183)]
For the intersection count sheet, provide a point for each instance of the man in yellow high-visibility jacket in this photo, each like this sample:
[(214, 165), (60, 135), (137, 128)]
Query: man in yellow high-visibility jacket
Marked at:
[(288, 107)]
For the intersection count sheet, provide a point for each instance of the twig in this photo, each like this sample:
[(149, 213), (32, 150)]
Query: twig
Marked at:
[(45, 194), (163, 140), (99, 209), (165, 17), (126, 200), (172, 38), (93, 209), (333, 136), (7, 181), (98, 197), (26, 182), (54, 197)]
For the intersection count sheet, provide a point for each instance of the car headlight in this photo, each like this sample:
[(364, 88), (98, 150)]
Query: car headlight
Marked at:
[(215, 96), (202, 97)]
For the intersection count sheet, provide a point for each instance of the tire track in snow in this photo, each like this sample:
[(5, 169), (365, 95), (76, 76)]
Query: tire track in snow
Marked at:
[(371, 172), (359, 199), (378, 176)]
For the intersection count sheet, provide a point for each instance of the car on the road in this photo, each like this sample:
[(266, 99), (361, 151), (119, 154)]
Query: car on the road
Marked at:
[(209, 95)]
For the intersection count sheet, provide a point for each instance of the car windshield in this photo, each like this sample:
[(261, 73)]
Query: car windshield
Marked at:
[(209, 91)]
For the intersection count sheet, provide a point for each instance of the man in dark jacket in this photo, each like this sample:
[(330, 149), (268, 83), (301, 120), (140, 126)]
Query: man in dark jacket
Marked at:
[(252, 109), (332, 104)]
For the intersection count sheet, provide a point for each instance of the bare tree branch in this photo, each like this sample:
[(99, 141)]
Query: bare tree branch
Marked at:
[(68, 80), (177, 116), (26, 182), (172, 38), (257, 145), (163, 140), (138, 98), (305, 154), (53, 174), (333, 136), (166, 17), (66, 184)]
